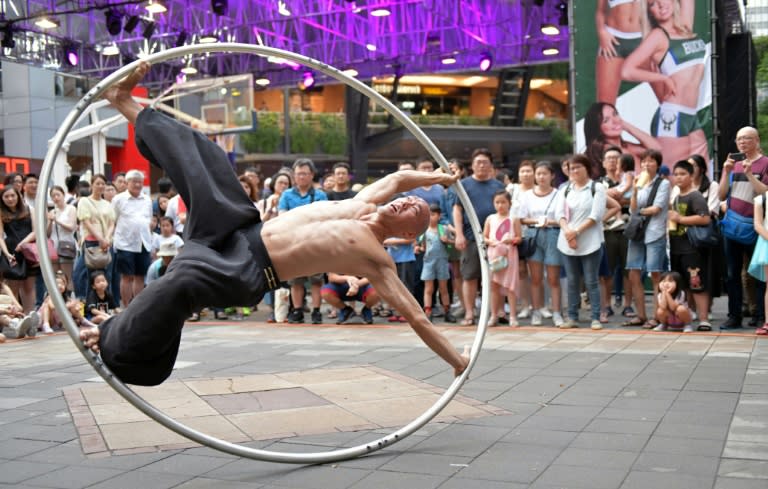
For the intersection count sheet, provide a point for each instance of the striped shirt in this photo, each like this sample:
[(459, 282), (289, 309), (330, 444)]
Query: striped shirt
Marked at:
[(742, 193)]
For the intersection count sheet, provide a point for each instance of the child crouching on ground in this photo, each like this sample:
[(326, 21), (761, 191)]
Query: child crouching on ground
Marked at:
[(673, 310), (99, 305)]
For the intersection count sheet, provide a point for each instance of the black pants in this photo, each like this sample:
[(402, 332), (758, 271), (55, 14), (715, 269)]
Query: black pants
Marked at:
[(223, 262)]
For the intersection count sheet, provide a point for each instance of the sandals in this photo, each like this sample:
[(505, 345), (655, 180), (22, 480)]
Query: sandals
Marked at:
[(468, 322), (635, 321), (706, 326), (604, 317), (762, 330), (650, 324)]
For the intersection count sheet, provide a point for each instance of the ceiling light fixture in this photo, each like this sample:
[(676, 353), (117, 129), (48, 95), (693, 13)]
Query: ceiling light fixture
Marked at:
[(149, 30), (110, 50), (308, 80), (208, 38), (380, 12), (189, 70), (156, 7), (8, 41), (370, 47), (486, 62), (448, 60), (46, 23), (550, 51), (549, 29), (219, 7), (351, 72), (131, 23), (114, 21), (70, 55), (282, 9), (262, 82)]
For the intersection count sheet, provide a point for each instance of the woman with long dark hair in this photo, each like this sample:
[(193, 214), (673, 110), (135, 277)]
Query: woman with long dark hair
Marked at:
[(17, 229)]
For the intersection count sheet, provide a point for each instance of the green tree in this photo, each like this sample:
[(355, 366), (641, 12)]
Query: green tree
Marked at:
[(266, 138)]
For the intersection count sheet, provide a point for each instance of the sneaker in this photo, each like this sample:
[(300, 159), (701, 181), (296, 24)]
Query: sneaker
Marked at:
[(12, 330), (345, 315), (367, 314), (688, 328), (568, 324), (557, 318), (296, 316), (47, 329), (660, 327), (596, 325), (513, 322), (438, 311), (28, 324), (449, 318), (731, 323), (317, 317), (536, 318), (525, 313), (609, 312), (545, 313), (501, 320)]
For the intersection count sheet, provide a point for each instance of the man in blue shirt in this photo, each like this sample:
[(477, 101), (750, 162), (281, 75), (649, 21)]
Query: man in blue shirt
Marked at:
[(480, 188), (303, 193)]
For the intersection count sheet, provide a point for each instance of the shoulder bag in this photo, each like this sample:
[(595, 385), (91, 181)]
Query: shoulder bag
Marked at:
[(65, 249), (32, 254), (635, 229), (527, 246), (17, 271), (96, 258), (736, 227)]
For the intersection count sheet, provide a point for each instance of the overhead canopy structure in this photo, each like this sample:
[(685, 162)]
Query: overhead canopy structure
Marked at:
[(373, 37)]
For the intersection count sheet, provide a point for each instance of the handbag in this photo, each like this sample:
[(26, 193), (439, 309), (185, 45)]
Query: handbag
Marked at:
[(703, 236), (32, 254), (96, 258), (738, 228), (499, 263), (18, 271), (635, 229), (65, 249)]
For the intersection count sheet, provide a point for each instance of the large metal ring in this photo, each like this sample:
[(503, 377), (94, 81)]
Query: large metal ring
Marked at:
[(138, 401)]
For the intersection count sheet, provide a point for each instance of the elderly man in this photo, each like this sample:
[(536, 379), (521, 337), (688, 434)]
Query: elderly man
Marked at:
[(303, 193), (231, 258), (133, 238), (744, 176)]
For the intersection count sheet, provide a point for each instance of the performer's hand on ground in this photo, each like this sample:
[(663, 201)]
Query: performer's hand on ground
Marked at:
[(465, 356), (90, 338)]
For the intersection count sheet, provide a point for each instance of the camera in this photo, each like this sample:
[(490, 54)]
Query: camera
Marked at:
[(737, 156)]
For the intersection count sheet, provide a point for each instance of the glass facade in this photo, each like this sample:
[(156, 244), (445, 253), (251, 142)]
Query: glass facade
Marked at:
[(756, 17)]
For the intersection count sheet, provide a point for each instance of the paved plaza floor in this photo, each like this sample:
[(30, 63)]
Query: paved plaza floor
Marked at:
[(544, 408)]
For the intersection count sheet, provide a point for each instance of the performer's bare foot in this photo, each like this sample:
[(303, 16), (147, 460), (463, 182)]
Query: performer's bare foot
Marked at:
[(119, 94), (90, 338), (465, 356)]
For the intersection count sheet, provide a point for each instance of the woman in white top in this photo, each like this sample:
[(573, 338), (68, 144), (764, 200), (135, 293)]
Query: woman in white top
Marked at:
[(537, 211), (279, 183), (526, 182), (579, 210), (62, 224)]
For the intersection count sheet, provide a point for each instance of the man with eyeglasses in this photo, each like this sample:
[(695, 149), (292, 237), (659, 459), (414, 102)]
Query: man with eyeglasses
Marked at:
[(303, 193), (744, 176)]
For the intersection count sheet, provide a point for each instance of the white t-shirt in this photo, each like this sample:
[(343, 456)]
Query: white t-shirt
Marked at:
[(172, 211), (533, 206)]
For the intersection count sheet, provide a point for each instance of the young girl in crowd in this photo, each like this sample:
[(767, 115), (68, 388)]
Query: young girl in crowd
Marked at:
[(436, 268), (49, 318), (502, 235), (758, 267), (99, 305), (167, 234), (672, 310)]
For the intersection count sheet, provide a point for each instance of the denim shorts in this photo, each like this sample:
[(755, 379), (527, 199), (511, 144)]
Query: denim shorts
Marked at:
[(436, 269), (546, 247), (651, 257)]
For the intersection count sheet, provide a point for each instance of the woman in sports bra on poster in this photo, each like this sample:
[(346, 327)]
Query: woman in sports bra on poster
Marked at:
[(678, 57), (619, 32)]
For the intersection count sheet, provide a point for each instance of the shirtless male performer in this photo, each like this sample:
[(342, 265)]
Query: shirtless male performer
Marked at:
[(231, 258)]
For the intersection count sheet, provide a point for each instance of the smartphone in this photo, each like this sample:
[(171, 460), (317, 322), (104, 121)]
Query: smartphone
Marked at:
[(737, 156)]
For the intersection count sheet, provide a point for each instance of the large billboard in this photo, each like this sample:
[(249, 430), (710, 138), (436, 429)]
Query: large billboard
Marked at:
[(642, 77)]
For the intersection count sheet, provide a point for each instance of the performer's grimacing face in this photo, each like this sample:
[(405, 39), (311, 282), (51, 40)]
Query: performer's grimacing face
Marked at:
[(407, 216)]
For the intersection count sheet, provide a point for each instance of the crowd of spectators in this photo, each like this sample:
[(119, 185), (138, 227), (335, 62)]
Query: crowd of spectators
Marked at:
[(557, 238)]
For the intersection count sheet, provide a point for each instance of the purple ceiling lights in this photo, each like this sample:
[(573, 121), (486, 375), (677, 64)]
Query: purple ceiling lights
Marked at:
[(375, 37)]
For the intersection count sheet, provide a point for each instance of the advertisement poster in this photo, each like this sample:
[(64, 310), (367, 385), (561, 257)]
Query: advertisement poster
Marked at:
[(643, 78)]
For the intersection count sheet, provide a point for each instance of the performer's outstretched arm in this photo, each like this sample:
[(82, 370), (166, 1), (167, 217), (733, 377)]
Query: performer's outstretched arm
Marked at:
[(384, 189)]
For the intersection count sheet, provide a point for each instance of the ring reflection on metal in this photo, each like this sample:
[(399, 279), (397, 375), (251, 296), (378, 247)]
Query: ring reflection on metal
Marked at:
[(137, 401)]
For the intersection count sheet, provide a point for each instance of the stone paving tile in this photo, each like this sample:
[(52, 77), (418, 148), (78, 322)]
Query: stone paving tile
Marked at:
[(747, 450), (461, 483), (511, 462), (185, 464), (586, 457), (388, 480), (327, 477), (17, 471), (474, 440), (21, 448), (556, 423), (631, 414), (143, 480), (645, 480), (706, 431), (74, 477), (695, 465), (618, 426), (731, 483), (427, 463), (522, 436), (581, 477), (689, 446), (610, 441), (205, 483), (747, 469)]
